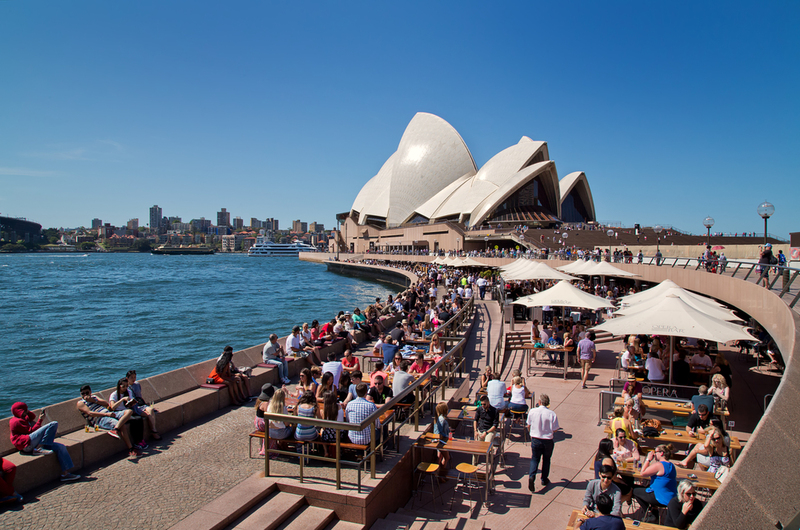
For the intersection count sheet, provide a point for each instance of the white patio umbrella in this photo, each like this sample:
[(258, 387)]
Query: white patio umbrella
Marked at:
[(604, 268), (575, 267), (535, 271), (564, 294), (469, 262), (675, 318), (659, 290), (514, 265), (706, 305), (438, 260)]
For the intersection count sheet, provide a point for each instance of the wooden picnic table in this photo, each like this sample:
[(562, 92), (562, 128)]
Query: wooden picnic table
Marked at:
[(466, 447), (532, 352), (677, 408), (630, 524), (678, 436), (703, 479)]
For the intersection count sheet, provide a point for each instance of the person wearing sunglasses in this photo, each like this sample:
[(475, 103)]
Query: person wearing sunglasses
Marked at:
[(663, 483), (684, 508), (714, 452), (604, 484)]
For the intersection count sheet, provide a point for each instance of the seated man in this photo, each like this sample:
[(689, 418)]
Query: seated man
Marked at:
[(357, 411), (487, 420), (402, 380), (603, 485), (298, 349), (380, 393), (334, 367), (30, 437), (698, 421), (389, 349), (702, 398), (273, 353), (605, 521), (398, 334), (326, 331), (681, 371), (355, 380), (97, 413), (701, 361)]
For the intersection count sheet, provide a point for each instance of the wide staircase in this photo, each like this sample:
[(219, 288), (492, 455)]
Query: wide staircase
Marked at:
[(404, 519)]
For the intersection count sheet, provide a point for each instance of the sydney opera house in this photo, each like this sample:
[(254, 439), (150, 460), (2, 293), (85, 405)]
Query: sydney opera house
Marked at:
[(430, 194)]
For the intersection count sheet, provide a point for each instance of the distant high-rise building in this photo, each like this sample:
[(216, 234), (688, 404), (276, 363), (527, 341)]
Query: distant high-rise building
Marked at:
[(271, 224), (155, 218), (299, 226), (173, 220), (223, 218), (316, 227), (133, 224), (255, 224), (238, 223), (200, 225), (96, 223)]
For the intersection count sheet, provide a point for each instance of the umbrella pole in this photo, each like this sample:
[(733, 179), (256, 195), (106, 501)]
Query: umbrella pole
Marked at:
[(671, 355)]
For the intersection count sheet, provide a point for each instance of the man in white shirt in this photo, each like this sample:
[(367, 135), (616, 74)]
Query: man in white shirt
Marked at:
[(273, 353), (482, 286), (542, 422), (334, 367), (701, 360), (294, 345)]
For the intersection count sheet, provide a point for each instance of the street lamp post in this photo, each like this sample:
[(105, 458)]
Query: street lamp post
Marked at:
[(765, 210), (708, 222), (610, 234), (486, 241), (657, 229)]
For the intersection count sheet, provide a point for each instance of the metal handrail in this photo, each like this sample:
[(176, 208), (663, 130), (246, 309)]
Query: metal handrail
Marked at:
[(457, 322)]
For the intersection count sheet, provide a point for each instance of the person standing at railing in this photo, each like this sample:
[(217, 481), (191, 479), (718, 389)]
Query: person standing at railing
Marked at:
[(764, 261)]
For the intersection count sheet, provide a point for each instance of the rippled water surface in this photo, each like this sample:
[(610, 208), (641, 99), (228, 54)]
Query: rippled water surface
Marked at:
[(69, 319)]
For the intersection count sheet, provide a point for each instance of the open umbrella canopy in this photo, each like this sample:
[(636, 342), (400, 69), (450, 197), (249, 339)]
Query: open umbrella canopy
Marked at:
[(469, 262), (575, 267), (718, 247), (659, 290), (534, 270), (674, 317), (564, 294), (514, 265), (706, 305), (604, 268), (438, 260)]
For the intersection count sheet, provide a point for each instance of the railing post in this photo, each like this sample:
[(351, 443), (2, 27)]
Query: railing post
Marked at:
[(266, 451), (372, 449), (338, 460), (416, 409), (789, 284)]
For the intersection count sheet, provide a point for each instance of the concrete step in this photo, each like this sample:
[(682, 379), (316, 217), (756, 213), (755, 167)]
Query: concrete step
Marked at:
[(468, 524), (338, 524), (274, 511), (309, 518), (431, 517), (383, 524), (400, 518)]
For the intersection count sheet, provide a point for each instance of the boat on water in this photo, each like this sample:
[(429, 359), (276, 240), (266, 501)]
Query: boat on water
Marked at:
[(168, 250), (265, 247)]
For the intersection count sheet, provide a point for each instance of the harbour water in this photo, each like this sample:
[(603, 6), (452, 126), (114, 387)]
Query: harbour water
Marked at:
[(70, 319)]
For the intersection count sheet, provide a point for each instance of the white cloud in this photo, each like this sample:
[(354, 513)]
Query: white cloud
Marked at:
[(99, 149), (26, 172)]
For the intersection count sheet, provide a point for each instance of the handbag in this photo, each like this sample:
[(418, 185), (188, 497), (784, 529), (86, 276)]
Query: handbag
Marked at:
[(650, 432), (722, 473)]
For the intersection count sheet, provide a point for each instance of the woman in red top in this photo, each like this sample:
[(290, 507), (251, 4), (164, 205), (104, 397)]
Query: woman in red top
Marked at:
[(221, 375)]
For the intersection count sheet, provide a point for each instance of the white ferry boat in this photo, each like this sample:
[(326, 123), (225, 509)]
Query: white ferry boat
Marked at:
[(265, 247)]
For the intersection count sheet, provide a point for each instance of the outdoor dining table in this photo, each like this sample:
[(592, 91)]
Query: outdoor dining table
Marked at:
[(678, 436), (630, 524), (675, 407), (465, 447), (703, 479), (533, 351)]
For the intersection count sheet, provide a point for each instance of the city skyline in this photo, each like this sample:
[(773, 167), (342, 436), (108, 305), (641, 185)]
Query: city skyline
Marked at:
[(288, 110)]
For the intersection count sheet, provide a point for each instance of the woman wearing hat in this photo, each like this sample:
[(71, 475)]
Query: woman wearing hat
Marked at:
[(633, 390)]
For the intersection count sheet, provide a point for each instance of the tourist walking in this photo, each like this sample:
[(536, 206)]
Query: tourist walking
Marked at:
[(542, 422), (588, 354)]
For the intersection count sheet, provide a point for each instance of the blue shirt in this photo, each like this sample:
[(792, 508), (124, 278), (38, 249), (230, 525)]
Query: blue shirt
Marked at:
[(388, 352)]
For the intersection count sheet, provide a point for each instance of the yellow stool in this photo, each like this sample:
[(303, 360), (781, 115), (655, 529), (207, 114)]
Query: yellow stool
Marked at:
[(431, 470), (467, 479)]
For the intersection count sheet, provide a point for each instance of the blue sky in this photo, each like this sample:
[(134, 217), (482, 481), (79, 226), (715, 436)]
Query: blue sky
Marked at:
[(675, 111)]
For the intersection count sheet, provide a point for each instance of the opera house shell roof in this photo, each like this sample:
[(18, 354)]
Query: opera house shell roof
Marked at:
[(432, 177)]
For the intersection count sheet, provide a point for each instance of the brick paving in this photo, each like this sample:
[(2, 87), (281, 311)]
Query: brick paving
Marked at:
[(189, 468)]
